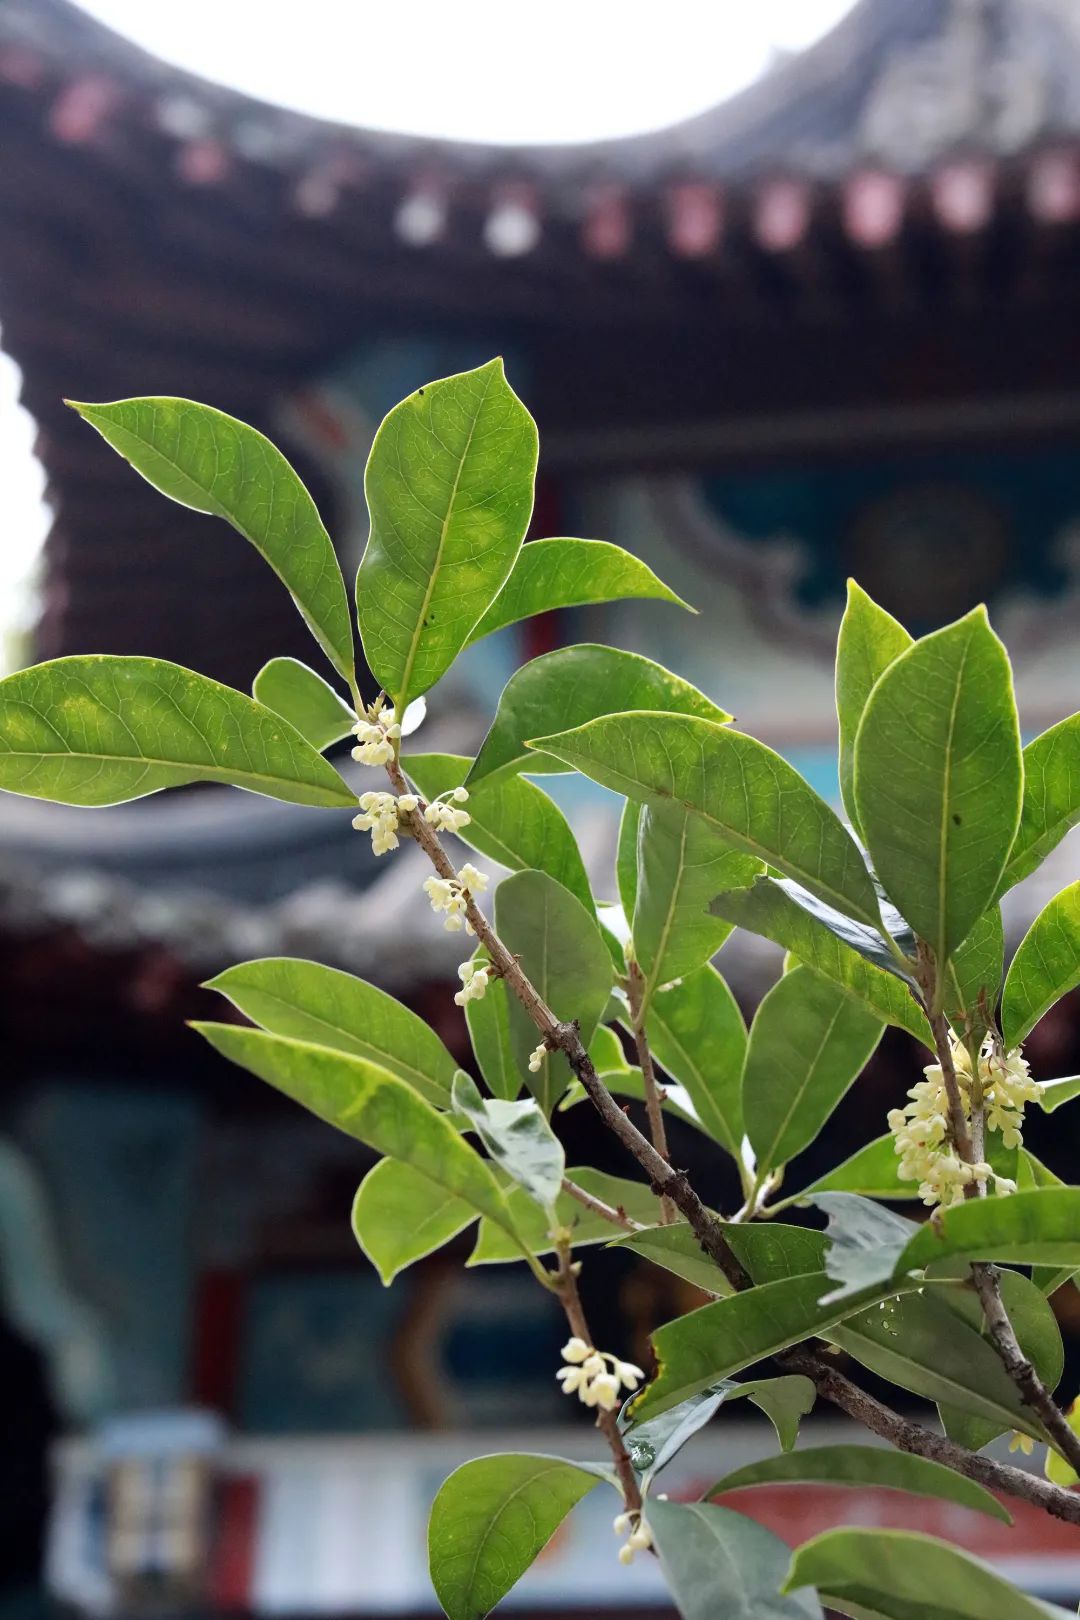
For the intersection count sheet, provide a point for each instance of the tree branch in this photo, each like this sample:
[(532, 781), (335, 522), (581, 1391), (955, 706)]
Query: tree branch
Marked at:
[(653, 1108), (606, 1212), (831, 1384)]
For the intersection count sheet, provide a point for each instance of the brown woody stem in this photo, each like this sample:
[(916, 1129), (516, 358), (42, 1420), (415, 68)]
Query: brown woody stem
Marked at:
[(831, 1384), (653, 1102), (607, 1212)]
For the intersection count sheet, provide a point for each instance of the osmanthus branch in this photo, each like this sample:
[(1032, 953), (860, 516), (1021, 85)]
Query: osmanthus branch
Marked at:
[(653, 1101), (665, 1180), (597, 1206), (1002, 1333)]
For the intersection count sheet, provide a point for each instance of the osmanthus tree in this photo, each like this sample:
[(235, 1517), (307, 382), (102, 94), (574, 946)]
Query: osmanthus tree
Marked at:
[(893, 919)]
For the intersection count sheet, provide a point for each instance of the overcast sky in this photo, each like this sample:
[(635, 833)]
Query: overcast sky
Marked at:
[(472, 69)]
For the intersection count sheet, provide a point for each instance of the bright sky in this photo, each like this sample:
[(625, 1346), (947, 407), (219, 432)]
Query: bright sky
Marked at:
[(488, 70)]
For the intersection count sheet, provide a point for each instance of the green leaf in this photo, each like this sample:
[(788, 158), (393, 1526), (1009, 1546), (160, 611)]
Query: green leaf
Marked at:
[(1036, 1330), (626, 1082), (1051, 804), (305, 700), (94, 731), (369, 1103), (872, 1171), (973, 977), (697, 1034), (860, 1466), (682, 863), (1056, 1092), (491, 1519), (1045, 968), (865, 1241), (675, 1248), (1058, 1471), (899, 1575), (561, 951), (784, 1400), (494, 1247), (626, 857), (562, 573), (1040, 1227), (748, 794), (769, 908), (769, 1252), (513, 821), (808, 1043), (518, 1138), (721, 1566), (938, 778), (721, 1338), (449, 487), (309, 1002), (920, 1344), (215, 464), (399, 1216), (870, 640), (572, 686), (488, 1022), (606, 1051)]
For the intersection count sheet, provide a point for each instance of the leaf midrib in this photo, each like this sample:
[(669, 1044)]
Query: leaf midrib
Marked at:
[(230, 775), (400, 698), (778, 1135)]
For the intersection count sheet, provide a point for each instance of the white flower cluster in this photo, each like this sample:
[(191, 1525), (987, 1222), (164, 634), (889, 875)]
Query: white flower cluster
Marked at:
[(380, 815), (474, 981), (444, 817), (640, 1537), (588, 1378), (537, 1057), (921, 1129), (375, 738), (451, 895)]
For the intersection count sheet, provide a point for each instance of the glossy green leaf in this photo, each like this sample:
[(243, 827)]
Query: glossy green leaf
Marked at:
[(449, 486), (900, 1575), (1058, 1471), (628, 1082), (1045, 968), (215, 464), (745, 792), (1051, 804), (305, 700), (861, 1466), (938, 778), (721, 1566), (768, 908), (369, 1103), (94, 731), (309, 1002), (721, 1338), (1040, 1227), (920, 1344), (682, 864), (550, 574), (493, 1246), (865, 1241), (490, 1521), (400, 1215), (675, 1248), (653, 1444), (606, 1051), (769, 1252), (1056, 1092), (870, 640), (697, 1034), (626, 857), (785, 1402), (872, 1171), (808, 1042), (1036, 1330), (973, 977), (561, 951), (518, 1138), (570, 687), (488, 1021), (513, 821)]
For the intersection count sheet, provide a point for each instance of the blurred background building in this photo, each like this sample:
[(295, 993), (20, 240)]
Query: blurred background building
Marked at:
[(828, 327)]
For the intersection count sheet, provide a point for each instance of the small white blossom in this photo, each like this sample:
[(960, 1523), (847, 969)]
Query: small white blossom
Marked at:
[(603, 1391), (379, 816), (621, 1523), (537, 1057), (576, 1351), (444, 818), (627, 1373), (469, 878), (588, 1375), (446, 896), (460, 795), (407, 803), (574, 1380), (640, 1537), (474, 981), (921, 1130), (374, 745)]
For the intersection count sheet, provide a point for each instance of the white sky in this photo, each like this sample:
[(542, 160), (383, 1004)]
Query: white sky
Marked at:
[(489, 70)]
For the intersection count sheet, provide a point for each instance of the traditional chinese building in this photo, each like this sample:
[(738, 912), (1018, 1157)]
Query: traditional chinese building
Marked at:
[(828, 327)]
